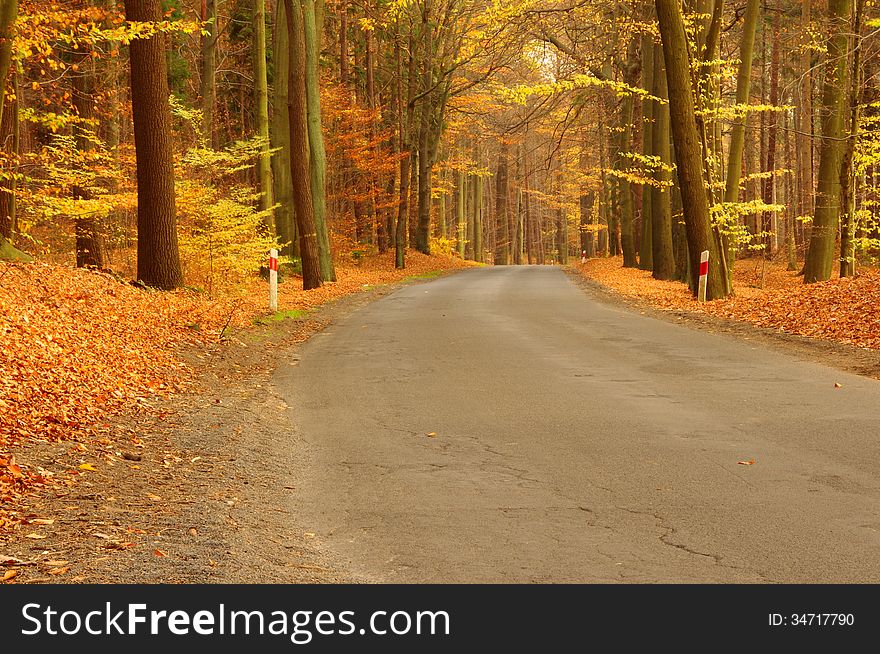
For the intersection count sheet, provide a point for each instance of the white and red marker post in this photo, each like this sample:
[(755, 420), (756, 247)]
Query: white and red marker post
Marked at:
[(584, 256), (273, 280), (704, 276)]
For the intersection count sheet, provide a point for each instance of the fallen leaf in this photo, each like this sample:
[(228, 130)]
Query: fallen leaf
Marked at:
[(59, 571), (159, 552), (153, 497), (9, 574), (193, 531), (43, 521), (431, 434), (750, 462), (35, 536), (837, 386), (55, 564), (89, 467), (117, 545)]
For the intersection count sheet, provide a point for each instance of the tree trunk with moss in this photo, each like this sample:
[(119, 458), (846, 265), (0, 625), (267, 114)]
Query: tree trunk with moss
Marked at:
[(313, 21), (8, 16), (261, 106), (847, 174), (688, 149), (285, 225), (821, 253), (663, 256), (300, 171)]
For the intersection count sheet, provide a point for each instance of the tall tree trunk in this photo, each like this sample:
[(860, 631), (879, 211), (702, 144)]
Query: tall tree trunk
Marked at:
[(587, 203), (261, 101), (791, 204), (605, 207), (8, 16), (688, 149), (470, 218), (376, 216), (627, 207), (769, 191), (663, 258), (313, 22), (738, 132), (89, 241), (10, 142), (479, 213), (300, 170), (423, 221), (502, 207), (646, 251), (460, 215), (820, 256), (413, 217), (343, 44), (517, 219), (405, 123), (805, 119), (561, 236), (208, 79), (158, 255), (530, 223), (285, 225), (847, 175)]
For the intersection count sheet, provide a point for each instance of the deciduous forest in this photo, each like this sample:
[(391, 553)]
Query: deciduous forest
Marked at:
[(152, 152), (153, 138)]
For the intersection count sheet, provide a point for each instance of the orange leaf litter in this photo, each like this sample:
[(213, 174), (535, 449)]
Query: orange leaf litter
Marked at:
[(78, 346)]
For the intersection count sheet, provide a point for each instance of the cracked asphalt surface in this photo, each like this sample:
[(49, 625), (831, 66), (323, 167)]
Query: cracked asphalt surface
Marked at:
[(503, 425)]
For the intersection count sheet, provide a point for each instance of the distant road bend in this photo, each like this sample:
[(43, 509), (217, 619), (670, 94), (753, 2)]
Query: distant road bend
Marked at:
[(501, 425)]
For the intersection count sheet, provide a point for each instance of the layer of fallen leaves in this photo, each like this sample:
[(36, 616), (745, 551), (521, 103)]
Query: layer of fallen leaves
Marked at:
[(766, 295), (79, 346)]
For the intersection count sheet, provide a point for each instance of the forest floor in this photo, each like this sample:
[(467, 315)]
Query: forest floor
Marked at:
[(835, 322), (123, 410)]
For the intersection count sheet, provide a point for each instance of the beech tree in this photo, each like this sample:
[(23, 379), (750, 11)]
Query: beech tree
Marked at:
[(158, 255), (689, 154), (826, 219)]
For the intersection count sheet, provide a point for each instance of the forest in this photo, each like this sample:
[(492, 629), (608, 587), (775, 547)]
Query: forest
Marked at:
[(713, 162), (139, 137)]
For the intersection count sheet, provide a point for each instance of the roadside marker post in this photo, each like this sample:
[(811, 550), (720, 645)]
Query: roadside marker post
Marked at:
[(584, 256), (273, 280), (704, 276)]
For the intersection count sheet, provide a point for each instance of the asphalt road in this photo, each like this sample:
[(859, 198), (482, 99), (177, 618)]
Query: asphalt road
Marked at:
[(501, 425)]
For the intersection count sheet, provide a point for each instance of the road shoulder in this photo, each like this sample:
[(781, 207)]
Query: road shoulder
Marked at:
[(848, 358)]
